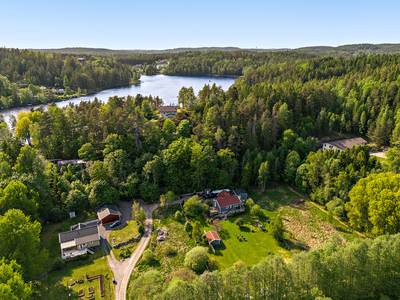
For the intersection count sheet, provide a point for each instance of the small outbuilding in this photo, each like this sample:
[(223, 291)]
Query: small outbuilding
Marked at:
[(242, 194), (213, 238), (108, 213)]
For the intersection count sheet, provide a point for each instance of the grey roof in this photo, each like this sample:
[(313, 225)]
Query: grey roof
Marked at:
[(348, 143), (241, 191), (107, 209), (79, 233)]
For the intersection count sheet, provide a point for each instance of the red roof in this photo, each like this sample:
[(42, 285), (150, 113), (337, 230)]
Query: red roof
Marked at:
[(168, 108), (212, 236), (224, 199), (223, 194)]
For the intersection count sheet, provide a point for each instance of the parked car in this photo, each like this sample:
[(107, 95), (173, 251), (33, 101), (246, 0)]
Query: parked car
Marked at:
[(115, 224)]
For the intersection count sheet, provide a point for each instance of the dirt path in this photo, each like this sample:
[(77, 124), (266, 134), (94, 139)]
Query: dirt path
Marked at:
[(325, 211), (122, 270)]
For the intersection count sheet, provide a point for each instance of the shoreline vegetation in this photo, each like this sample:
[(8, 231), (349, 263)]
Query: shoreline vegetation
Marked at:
[(65, 98)]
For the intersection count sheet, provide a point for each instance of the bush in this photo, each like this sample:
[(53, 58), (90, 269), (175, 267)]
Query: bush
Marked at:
[(196, 259), (148, 256), (56, 215), (195, 206), (141, 228), (168, 250), (188, 227), (81, 257), (239, 222), (185, 274), (125, 252), (58, 264), (256, 211), (178, 216)]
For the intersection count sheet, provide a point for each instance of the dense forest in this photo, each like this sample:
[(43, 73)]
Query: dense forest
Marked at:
[(24, 72), (265, 128), (365, 269), (344, 50)]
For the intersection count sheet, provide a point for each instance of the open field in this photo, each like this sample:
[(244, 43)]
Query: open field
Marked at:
[(307, 227), (55, 286)]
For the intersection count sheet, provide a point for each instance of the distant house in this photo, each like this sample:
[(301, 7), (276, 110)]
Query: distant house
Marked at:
[(81, 59), (168, 111), (226, 202), (213, 238), (242, 194), (344, 144), (59, 91), (79, 240), (108, 213), (61, 163)]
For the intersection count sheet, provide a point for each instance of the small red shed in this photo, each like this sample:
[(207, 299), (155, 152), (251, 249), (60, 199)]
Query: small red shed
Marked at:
[(108, 213)]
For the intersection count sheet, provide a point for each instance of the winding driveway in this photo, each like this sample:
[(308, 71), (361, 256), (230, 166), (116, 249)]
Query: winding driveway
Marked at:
[(122, 270)]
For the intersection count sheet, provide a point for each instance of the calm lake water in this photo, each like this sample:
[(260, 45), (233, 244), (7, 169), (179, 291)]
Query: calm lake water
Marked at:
[(166, 87)]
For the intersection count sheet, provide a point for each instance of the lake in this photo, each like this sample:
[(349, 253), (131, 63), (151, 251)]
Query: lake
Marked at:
[(166, 87)]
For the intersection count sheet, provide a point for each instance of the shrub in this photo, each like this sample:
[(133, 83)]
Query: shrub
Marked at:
[(168, 250), (81, 257), (188, 227), (148, 256), (185, 274), (256, 210), (125, 252), (178, 216), (239, 222), (194, 206), (58, 264), (56, 215), (141, 228), (196, 259)]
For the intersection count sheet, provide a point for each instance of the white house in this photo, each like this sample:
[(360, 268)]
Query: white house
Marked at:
[(79, 240)]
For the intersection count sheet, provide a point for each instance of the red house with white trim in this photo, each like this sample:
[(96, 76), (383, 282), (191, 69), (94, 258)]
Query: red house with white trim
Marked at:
[(226, 202), (213, 238)]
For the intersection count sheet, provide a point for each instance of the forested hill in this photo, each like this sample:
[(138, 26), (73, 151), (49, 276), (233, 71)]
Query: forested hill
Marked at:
[(20, 68), (344, 50), (104, 51)]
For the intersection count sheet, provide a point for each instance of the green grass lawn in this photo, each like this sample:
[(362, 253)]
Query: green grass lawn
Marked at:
[(251, 250), (124, 234), (49, 236), (55, 286)]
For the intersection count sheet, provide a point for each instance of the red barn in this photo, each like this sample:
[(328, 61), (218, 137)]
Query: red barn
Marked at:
[(108, 213)]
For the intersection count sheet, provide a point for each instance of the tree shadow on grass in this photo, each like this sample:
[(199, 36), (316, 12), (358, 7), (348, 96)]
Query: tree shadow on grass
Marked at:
[(224, 234), (244, 228), (154, 263), (219, 249)]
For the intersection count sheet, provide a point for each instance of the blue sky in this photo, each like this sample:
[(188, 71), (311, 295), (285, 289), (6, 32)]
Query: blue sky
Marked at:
[(152, 24)]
